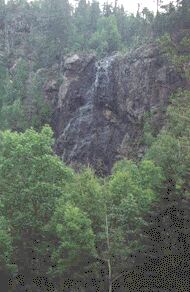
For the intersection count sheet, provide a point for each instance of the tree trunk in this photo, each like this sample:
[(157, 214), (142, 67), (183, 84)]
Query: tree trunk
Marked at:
[(109, 261)]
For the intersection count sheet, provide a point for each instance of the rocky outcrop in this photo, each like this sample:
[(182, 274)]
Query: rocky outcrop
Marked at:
[(101, 104), (98, 105)]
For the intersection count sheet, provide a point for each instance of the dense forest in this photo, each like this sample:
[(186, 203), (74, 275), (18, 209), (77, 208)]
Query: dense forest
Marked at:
[(65, 228), (41, 33)]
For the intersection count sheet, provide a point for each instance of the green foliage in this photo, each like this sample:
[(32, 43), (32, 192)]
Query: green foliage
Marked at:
[(14, 89), (77, 216), (178, 54), (2, 79), (165, 152), (31, 179), (38, 112), (149, 135), (139, 183), (107, 38), (6, 246), (130, 191), (178, 114), (76, 238), (22, 99), (171, 149), (28, 162), (57, 25), (86, 192), (55, 221), (70, 215), (55, 28), (76, 221)]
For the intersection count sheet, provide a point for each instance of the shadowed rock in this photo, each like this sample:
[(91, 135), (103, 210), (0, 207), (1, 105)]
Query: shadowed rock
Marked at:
[(101, 105)]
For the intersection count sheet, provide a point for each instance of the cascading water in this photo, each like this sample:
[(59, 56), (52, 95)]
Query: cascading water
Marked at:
[(101, 105), (102, 71), (102, 81), (83, 120)]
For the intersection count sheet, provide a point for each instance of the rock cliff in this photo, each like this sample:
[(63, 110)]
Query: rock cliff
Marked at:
[(98, 105), (101, 104)]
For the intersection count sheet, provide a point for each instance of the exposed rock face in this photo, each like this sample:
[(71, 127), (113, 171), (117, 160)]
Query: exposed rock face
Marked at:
[(101, 104), (98, 106)]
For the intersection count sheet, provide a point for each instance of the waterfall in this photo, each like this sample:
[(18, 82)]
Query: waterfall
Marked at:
[(80, 131)]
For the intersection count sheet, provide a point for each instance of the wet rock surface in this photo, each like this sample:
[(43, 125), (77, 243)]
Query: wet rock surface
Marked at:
[(101, 104), (98, 105)]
